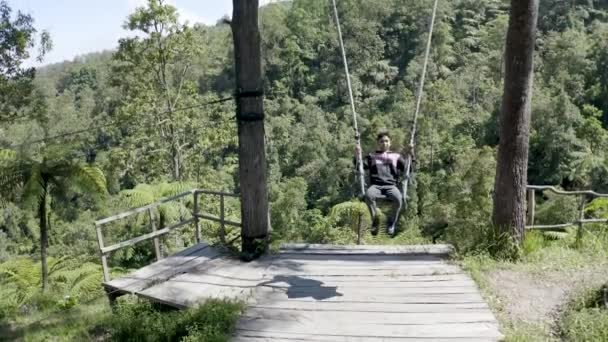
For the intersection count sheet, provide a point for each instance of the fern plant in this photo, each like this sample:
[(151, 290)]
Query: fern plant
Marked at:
[(70, 281), (145, 194), (22, 276), (36, 180), (555, 234)]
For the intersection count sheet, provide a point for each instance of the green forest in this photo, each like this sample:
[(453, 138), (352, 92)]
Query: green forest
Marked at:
[(85, 139)]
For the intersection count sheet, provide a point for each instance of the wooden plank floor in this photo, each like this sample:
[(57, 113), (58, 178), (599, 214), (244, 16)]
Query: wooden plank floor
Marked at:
[(328, 293)]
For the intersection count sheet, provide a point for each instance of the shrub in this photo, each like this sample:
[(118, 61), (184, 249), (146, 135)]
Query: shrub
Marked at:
[(144, 321), (586, 316)]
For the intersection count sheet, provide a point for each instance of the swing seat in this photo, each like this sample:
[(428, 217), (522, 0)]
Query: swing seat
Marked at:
[(384, 198)]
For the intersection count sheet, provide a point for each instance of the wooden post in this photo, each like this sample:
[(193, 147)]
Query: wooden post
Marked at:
[(156, 240), (250, 117), (222, 222), (581, 215), (531, 206), (104, 257), (112, 295), (359, 228), (197, 226)]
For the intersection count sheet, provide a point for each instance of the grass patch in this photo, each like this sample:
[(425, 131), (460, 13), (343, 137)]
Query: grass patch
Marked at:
[(521, 331), (131, 320), (540, 255), (143, 321), (550, 261), (79, 323), (585, 318)]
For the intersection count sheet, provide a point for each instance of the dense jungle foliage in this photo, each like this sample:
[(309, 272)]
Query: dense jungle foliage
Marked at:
[(88, 138)]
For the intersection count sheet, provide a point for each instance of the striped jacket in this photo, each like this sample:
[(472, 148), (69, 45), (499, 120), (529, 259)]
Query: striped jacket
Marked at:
[(385, 168)]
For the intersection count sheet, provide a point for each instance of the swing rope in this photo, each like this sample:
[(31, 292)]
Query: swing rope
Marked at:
[(411, 146), (360, 173)]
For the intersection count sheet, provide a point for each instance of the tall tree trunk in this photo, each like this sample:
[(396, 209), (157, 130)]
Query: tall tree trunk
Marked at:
[(44, 234), (250, 116), (512, 161)]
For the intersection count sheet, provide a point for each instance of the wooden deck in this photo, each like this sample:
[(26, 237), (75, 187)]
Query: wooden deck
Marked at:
[(327, 293)]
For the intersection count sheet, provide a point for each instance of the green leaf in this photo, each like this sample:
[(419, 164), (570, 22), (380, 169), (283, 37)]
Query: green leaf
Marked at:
[(90, 178), (555, 235), (137, 197)]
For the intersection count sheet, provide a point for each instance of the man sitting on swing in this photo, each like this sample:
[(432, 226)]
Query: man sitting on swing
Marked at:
[(384, 167)]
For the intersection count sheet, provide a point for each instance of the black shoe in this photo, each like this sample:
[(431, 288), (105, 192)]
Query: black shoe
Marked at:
[(375, 226), (391, 231)]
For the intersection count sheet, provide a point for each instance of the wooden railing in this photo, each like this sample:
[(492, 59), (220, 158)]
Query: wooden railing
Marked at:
[(584, 194), (221, 219), (156, 232)]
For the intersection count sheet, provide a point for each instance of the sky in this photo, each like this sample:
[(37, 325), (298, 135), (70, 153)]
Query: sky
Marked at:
[(78, 27)]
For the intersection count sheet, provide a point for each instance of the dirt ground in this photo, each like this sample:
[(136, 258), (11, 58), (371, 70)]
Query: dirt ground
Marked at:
[(536, 298)]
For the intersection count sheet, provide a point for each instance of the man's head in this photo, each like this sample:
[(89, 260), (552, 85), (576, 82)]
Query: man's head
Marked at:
[(384, 141)]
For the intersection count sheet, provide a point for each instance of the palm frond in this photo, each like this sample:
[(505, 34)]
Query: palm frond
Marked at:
[(90, 179), (21, 285), (67, 276), (81, 280), (137, 197), (20, 271), (144, 194), (174, 188), (86, 282), (149, 188), (11, 180), (7, 157), (33, 189), (171, 211), (58, 264), (11, 175), (7, 276), (555, 235)]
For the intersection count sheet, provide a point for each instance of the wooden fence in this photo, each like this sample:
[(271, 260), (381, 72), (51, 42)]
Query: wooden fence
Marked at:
[(584, 194), (156, 232)]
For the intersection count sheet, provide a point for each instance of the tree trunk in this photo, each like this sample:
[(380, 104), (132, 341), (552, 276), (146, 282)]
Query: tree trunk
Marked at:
[(250, 117), (44, 234), (175, 161), (514, 124)]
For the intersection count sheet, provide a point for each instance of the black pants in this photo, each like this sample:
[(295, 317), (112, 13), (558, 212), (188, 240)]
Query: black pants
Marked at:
[(391, 193)]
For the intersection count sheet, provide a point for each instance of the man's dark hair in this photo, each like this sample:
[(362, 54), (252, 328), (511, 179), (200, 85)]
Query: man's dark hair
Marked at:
[(382, 135)]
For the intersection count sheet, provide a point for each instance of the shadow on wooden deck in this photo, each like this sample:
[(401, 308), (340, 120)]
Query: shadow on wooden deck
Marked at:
[(327, 293)]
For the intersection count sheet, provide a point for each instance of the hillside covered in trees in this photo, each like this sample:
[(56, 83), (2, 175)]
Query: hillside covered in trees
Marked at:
[(123, 128)]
